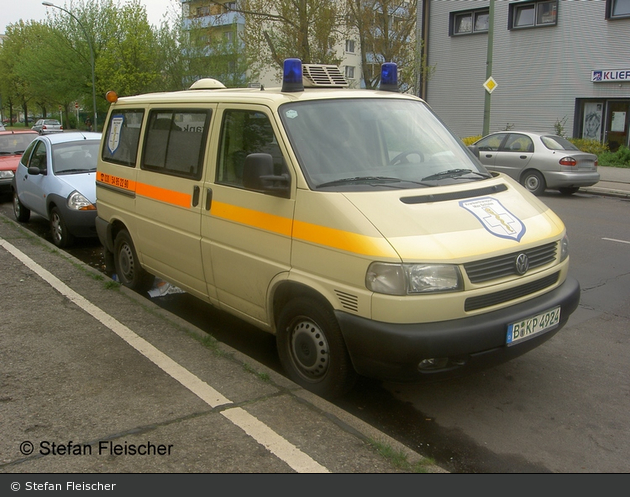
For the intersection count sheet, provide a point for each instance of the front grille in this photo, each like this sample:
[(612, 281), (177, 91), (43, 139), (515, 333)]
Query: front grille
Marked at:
[(483, 301), (505, 265)]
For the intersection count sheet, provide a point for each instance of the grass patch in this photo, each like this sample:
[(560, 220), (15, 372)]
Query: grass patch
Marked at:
[(399, 459), (260, 376)]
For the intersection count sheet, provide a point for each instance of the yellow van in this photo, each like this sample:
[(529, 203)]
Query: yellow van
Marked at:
[(349, 223)]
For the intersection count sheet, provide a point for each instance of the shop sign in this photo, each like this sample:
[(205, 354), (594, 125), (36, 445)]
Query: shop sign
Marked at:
[(609, 76)]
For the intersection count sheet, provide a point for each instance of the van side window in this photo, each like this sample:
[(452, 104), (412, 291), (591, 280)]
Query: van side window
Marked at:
[(175, 142), (122, 137), (245, 132)]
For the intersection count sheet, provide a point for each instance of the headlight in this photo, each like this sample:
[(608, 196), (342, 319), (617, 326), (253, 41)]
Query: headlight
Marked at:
[(78, 202), (406, 279), (564, 248), (6, 174)]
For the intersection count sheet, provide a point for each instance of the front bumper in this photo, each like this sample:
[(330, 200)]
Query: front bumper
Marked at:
[(393, 352)]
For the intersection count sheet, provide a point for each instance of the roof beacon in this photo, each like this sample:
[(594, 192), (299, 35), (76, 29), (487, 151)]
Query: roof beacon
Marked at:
[(292, 76), (389, 77)]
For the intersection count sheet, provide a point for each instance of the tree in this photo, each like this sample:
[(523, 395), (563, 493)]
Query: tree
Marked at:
[(387, 33), (280, 29)]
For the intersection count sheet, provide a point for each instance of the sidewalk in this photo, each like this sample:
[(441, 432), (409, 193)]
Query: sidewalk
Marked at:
[(614, 181), (96, 379)]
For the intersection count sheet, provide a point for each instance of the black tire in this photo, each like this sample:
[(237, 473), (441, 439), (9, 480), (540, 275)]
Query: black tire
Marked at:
[(21, 213), (61, 237), (534, 181), (569, 190), (128, 269), (312, 350)]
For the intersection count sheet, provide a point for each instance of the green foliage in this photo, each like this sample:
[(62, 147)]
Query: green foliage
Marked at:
[(590, 146), (620, 158), (469, 140), (559, 126)]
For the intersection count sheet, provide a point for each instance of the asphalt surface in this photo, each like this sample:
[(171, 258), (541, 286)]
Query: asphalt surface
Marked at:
[(96, 379)]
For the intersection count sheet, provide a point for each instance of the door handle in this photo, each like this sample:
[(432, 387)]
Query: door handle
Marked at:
[(208, 198), (488, 156), (195, 199), (523, 157)]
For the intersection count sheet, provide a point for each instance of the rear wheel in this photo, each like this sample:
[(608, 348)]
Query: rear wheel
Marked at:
[(569, 190), (128, 269), (21, 213), (312, 350), (59, 230), (534, 182)]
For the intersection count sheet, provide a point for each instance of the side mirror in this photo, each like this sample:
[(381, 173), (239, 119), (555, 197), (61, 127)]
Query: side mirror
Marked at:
[(258, 175), (34, 171), (474, 149)]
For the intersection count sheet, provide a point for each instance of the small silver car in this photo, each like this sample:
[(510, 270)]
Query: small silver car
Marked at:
[(56, 179), (538, 160), (46, 126)]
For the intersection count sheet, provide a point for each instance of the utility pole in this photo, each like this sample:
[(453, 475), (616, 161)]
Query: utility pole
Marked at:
[(486, 107)]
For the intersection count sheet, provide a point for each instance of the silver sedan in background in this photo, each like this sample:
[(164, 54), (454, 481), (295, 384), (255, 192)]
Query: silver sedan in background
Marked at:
[(538, 160), (46, 126)]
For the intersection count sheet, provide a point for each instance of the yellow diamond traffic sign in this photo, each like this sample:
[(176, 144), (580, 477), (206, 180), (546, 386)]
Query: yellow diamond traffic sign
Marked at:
[(490, 84)]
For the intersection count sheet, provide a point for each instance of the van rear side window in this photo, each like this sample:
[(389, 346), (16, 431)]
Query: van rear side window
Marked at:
[(122, 137), (175, 142)]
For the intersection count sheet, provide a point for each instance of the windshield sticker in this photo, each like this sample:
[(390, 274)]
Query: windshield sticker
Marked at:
[(495, 218), (291, 114), (113, 140)]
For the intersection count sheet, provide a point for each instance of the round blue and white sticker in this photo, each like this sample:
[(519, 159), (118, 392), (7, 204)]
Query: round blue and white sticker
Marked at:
[(495, 217)]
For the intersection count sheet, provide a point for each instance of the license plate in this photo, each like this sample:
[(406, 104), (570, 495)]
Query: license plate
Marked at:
[(535, 325)]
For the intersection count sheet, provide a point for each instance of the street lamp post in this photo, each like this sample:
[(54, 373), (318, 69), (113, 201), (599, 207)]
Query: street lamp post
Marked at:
[(89, 40)]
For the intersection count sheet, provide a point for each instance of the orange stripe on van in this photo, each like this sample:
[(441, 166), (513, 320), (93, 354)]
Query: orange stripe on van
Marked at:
[(307, 232), (250, 217), (164, 195), (342, 240)]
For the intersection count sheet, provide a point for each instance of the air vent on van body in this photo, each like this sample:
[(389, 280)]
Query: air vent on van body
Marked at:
[(323, 76)]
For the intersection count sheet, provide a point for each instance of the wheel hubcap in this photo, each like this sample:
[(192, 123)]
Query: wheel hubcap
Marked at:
[(310, 349), (57, 232), (125, 260)]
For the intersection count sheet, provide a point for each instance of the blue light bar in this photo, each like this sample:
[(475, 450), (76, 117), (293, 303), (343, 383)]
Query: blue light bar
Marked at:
[(389, 77), (292, 75)]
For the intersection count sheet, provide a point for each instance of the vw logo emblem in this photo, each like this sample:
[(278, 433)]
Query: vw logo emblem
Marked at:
[(522, 264)]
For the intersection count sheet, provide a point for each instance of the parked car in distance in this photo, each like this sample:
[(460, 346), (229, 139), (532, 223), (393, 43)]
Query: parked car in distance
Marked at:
[(538, 160), (46, 126), (56, 178), (12, 146)]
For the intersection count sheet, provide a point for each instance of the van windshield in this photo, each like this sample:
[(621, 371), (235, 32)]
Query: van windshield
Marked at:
[(366, 143)]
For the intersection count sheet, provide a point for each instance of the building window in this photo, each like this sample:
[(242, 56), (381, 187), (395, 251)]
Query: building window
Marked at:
[(349, 70), (617, 8), (470, 22), (350, 46), (533, 14)]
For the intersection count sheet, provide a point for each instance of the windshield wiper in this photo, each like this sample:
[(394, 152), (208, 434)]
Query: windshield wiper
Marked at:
[(454, 173), (368, 179)]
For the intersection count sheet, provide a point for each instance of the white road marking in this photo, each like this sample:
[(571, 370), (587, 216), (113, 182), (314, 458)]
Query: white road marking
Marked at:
[(615, 240), (283, 449)]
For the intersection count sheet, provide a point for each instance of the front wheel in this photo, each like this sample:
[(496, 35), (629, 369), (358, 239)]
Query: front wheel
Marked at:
[(21, 213), (59, 230), (128, 268), (312, 350), (534, 182)]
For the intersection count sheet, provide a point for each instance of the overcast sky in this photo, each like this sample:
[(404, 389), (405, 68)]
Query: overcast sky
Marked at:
[(14, 10)]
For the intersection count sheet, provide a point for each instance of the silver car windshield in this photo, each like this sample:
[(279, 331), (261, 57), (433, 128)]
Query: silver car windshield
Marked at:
[(75, 157), (361, 144)]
